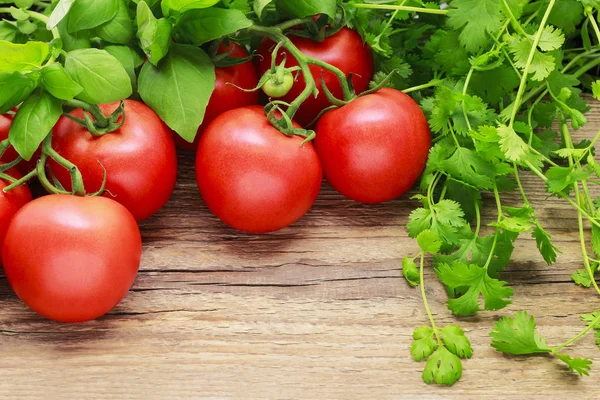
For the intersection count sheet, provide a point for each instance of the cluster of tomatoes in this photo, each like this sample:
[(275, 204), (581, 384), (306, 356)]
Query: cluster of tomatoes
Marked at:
[(74, 258)]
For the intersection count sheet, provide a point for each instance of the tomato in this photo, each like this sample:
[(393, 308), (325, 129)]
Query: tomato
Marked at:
[(11, 202), (10, 154), (72, 259), (139, 158), (226, 97), (374, 148), (344, 50), (253, 177), (275, 88)]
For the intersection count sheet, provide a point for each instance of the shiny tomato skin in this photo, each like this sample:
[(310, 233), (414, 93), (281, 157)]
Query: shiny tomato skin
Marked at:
[(11, 202), (72, 259), (10, 154), (375, 148), (344, 50), (140, 158), (253, 177), (227, 97)]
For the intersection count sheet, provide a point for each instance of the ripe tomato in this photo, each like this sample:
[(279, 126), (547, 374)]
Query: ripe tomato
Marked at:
[(344, 50), (72, 259), (139, 158), (253, 177), (11, 202), (10, 154), (375, 148), (226, 97)]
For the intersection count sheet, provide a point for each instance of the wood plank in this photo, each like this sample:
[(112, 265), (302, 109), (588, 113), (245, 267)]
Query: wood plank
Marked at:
[(318, 310)]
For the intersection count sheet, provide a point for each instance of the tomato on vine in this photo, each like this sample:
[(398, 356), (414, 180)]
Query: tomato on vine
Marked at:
[(344, 50), (227, 93), (70, 258), (12, 201), (139, 158), (276, 88), (253, 177), (374, 148)]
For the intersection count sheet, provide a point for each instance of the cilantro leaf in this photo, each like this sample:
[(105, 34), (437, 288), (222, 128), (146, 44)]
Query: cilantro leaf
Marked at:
[(478, 283), (544, 244), (566, 14), (582, 278), (476, 19), (512, 145), (596, 89), (466, 166), (424, 343), (561, 179), (443, 368), (579, 365), (551, 39), (429, 241), (444, 217), (517, 335), (456, 342), (410, 271), (541, 66), (505, 82)]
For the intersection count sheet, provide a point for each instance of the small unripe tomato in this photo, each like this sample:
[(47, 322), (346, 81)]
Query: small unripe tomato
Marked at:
[(276, 87)]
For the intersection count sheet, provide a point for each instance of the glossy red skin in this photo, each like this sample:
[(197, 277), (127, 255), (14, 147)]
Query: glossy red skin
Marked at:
[(227, 97), (10, 154), (344, 50), (72, 259), (253, 177), (11, 202), (375, 148), (140, 158)]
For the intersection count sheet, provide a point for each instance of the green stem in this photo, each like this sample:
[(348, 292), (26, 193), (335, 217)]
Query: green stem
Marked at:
[(425, 303), (532, 52), (76, 177), (581, 334), (595, 26), (275, 34), (402, 8), (432, 83), (294, 22), (100, 120), (464, 93), (478, 216), (497, 231), (514, 20)]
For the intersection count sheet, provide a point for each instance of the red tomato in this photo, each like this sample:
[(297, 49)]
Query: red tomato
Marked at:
[(140, 158), (10, 154), (344, 50), (226, 97), (72, 259), (375, 148), (11, 202), (253, 177)]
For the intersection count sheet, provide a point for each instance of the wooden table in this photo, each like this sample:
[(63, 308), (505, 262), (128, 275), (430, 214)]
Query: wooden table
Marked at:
[(316, 311)]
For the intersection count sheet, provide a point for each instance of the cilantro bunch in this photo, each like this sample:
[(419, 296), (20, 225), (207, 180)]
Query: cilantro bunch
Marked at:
[(501, 75)]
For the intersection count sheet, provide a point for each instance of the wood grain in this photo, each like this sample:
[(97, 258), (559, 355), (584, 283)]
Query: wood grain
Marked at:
[(316, 311)]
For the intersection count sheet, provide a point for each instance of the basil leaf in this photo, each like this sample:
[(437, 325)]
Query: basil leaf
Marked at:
[(100, 74), (56, 81), (181, 6), (73, 41), (59, 13), (306, 8), (180, 89), (88, 14), (202, 26), (154, 34), (33, 122), (16, 87), (259, 6), (22, 57), (120, 28), (127, 58), (11, 33)]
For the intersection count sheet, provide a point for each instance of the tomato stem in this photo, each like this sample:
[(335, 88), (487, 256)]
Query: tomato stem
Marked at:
[(77, 186), (100, 124)]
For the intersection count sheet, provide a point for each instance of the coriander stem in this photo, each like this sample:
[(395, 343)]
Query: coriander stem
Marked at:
[(424, 297), (532, 53), (581, 334), (432, 83), (497, 232), (402, 8), (464, 93), (478, 217), (514, 20), (594, 25)]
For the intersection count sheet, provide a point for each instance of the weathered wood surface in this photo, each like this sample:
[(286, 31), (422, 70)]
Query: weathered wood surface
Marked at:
[(316, 311)]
